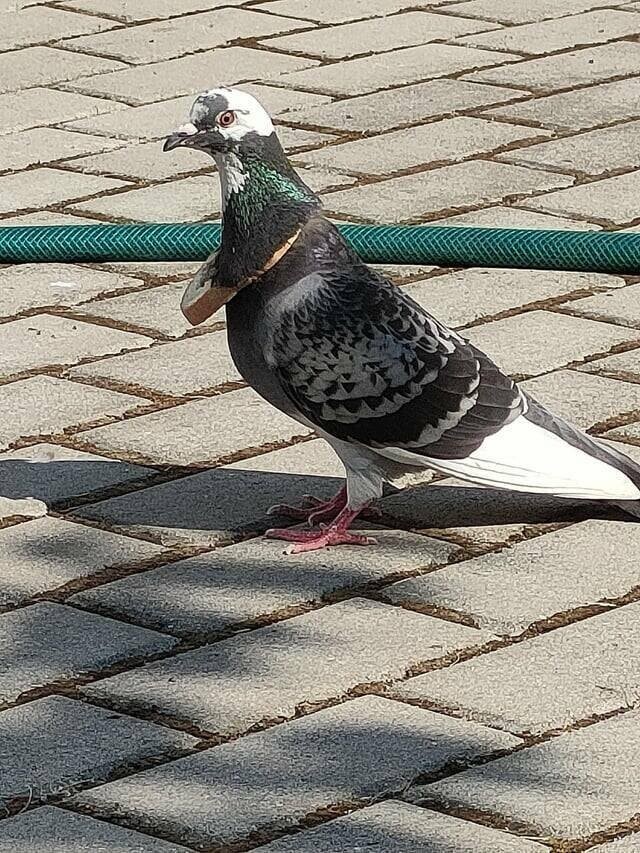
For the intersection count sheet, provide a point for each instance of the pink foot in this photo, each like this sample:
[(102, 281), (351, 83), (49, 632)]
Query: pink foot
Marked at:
[(336, 533)]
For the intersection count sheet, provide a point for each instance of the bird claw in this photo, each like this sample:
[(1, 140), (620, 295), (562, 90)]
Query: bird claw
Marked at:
[(314, 540)]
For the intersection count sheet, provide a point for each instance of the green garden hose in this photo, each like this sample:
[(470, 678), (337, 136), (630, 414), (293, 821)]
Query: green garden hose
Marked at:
[(594, 251)]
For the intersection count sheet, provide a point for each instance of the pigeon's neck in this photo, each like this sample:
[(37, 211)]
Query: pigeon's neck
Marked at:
[(265, 204)]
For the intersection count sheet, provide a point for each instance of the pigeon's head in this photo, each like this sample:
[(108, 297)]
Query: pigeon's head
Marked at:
[(222, 121)]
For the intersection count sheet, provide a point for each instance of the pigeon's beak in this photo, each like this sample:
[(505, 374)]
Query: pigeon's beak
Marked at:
[(185, 135)]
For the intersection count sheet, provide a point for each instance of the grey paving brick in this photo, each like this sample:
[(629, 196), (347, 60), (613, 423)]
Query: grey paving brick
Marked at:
[(622, 365), (42, 187), (432, 192), (40, 106), (629, 844), (515, 217), (53, 473), (593, 153), (185, 200), (232, 685), (43, 406), (141, 162), (409, 104), (578, 68), (184, 367), (409, 65), (46, 217), (189, 74), (33, 26), (55, 830), (468, 295), (47, 642), (579, 110), (26, 286), (293, 138), (53, 745), (144, 10), (153, 121), (46, 339), (157, 272), (395, 827), (377, 35), (47, 145), (583, 398), (156, 310), (209, 593), (569, 787), (39, 66), (622, 308), (168, 39), (507, 12), (182, 434), (447, 140), (630, 431), (354, 751), (47, 553), (611, 199), (533, 580), (335, 11), (548, 682), (514, 343), (547, 36)]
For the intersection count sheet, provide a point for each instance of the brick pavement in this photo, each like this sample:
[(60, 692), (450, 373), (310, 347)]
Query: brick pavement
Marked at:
[(170, 682)]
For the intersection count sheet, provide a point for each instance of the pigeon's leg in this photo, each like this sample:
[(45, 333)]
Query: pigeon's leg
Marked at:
[(336, 533), (318, 511)]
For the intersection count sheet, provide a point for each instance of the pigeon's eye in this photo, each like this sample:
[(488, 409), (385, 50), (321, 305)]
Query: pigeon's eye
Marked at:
[(227, 118)]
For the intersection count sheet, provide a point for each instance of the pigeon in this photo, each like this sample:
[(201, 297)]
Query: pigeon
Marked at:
[(341, 349)]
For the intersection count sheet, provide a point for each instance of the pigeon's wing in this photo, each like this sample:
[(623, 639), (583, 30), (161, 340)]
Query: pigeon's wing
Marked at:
[(368, 365)]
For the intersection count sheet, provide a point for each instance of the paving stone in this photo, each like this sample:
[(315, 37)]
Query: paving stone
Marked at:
[(141, 162), (622, 308), (612, 199), (275, 670), (471, 294), (158, 272), (335, 11), (47, 145), (579, 110), (156, 310), (447, 140), (53, 473), (52, 745), (409, 104), (395, 827), (508, 12), (629, 844), (43, 405), (185, 367), (588, 28), (630, 431), (38, 66), (46, 643), (46, 217), (168, 39), (153, 121), (60, 831), (189, 199), (47, 553), (32, 26), (568, 787), (515, 217), (578, 68), (506, 592), (514, 343), (409, 65), (354, 751), (293, 138), (548, 682), (42, 187), (431, 192), (624, 364), (40, 106), (376, 35), (582, 398), (30, 507), (211, 592), (46, 339), (144, 10), (189, 74), (593, 153), (175, 436), (26, 286)]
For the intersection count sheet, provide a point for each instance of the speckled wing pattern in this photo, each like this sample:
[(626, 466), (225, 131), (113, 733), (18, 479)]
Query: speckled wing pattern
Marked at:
[(367, 364)]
